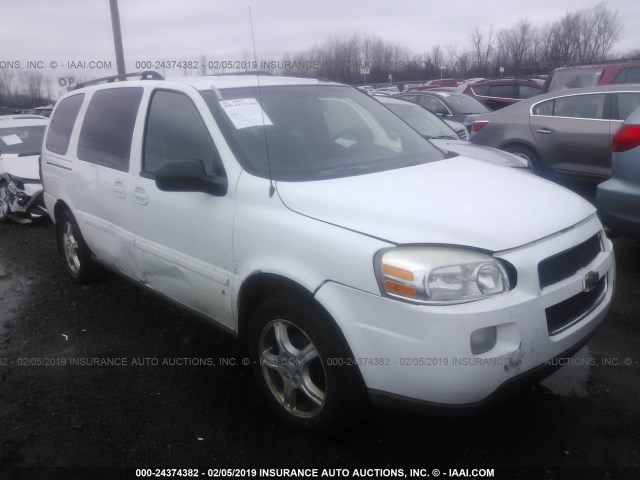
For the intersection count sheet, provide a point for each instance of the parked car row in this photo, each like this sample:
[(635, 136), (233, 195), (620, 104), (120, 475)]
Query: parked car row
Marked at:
[(564, 133)]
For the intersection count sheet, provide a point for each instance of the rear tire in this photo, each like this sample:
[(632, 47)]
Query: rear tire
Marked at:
[(528, 154), (303, 365), (75, 252)]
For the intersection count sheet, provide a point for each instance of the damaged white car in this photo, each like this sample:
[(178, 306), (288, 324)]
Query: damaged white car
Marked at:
[(20, 184)]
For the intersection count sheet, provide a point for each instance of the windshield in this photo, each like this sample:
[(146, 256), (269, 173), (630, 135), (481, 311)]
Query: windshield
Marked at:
[(464, 104), (315, 132), (425, 122), (563, 80), (23, 141)]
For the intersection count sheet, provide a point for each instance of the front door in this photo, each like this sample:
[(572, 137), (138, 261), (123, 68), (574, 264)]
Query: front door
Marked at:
[(183, 239)]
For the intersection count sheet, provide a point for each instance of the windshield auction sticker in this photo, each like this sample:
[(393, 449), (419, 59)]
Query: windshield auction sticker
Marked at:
[(11, 139), (245, 112)]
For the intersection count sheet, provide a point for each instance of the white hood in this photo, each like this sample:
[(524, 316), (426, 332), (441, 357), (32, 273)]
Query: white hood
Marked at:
[(457, 201), (480, 152), (24, 167)]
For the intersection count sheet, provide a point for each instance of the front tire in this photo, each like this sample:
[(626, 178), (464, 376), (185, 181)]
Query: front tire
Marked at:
[(303, 366), (75, 252)]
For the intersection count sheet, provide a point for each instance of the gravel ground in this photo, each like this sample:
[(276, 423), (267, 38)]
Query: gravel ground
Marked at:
[(181, 416)]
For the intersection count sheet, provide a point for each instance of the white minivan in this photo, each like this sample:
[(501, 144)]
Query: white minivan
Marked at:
[(354, 260)]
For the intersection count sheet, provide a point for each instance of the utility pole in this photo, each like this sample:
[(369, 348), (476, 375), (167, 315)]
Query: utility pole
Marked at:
[(117, 38)]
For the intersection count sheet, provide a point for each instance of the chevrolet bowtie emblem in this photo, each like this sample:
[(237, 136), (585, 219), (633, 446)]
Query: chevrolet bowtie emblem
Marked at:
[(590, 281)]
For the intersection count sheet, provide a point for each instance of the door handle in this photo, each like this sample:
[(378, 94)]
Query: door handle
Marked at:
[(140, 195), (545, 131), (120, 188)]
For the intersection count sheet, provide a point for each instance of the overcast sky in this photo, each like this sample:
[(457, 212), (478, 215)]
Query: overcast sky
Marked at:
[(68, 30)]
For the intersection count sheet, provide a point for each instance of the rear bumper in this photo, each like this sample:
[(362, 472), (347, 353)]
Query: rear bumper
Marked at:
[(618, 204)]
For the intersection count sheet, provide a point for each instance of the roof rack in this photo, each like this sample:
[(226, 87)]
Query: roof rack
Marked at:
[(146, 75)]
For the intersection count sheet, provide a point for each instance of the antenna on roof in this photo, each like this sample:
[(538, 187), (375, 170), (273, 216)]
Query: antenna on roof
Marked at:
[(272, 189)]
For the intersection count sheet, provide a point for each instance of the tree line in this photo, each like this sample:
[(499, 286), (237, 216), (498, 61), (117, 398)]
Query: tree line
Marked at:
[(26, 89), (579, 37)]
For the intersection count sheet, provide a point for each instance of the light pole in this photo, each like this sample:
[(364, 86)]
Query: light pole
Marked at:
[(117, 38)]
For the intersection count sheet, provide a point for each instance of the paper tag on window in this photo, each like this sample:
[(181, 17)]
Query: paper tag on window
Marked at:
[(245, 112), (11, 139)]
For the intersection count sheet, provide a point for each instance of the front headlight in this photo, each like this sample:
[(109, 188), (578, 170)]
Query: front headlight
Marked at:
[(440, 275)]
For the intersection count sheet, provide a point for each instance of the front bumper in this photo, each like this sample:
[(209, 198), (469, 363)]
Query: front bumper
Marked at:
[(423, 353)]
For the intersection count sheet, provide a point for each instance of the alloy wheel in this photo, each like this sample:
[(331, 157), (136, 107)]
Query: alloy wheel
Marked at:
[(292, 368)]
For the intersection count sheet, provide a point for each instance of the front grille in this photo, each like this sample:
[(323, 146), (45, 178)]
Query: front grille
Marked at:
[(565, 264), (462, 134), (564, 314)]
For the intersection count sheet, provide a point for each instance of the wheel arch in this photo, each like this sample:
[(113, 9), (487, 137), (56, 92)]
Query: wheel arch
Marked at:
[(255, 289), (59, 208), (513, 142), (518, 142)]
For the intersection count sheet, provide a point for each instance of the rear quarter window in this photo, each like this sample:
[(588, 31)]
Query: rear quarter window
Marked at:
[(480, 89), (62, 124), (544, 108), (107, 130)]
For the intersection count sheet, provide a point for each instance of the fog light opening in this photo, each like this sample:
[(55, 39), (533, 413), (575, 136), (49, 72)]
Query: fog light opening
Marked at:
[(483, 340)]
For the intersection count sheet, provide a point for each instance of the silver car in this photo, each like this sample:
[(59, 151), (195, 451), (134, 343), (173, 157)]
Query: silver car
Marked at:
[(562, 134), (618, 199), (446, 138)]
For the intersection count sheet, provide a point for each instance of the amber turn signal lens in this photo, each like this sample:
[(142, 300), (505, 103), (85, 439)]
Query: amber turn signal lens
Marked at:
[(400, 289), (396, 272)]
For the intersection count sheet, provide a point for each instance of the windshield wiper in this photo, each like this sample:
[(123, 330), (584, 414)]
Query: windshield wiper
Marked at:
[(354, 167), (441, 137)]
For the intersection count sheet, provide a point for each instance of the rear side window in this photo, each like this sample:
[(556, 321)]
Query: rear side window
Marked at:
[(580, 106), (175, 131), (107, 130), (503, 91), (527, 91), (62, 124), (628, 75), (574, 106)]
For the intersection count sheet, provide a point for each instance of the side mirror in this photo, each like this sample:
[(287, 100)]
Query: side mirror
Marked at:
[(441, 113), (189, 176)]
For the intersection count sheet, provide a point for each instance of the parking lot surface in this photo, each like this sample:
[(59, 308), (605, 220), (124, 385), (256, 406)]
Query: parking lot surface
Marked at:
[(107, 375)]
